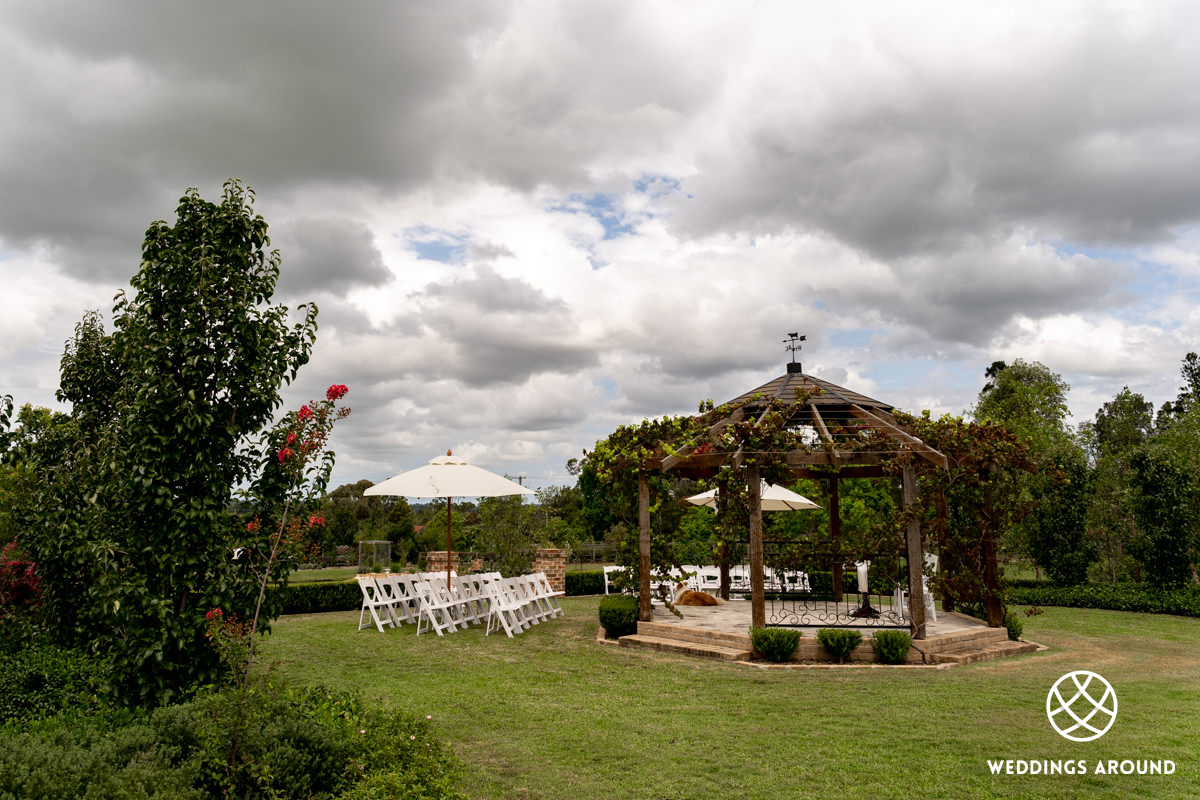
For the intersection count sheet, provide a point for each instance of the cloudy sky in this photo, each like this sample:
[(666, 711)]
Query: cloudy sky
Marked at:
[(528, 222)]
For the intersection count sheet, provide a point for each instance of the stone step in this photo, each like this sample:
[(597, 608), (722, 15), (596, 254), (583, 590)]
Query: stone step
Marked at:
[(956, 639), (970, 654), (684, 647), (737, 641)]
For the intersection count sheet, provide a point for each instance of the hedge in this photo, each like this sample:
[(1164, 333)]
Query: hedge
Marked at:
[(1110, 597), (314, 598), (586, 582)]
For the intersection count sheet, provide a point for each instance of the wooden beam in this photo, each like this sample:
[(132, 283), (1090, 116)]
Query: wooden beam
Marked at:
[(922, 449), (826, 437), (670, 462)]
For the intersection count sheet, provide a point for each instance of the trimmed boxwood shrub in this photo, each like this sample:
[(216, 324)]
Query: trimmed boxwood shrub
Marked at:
[(1015, 626), (839, 641), (588, 582), (775, 644), (619, 615), (891, 647)]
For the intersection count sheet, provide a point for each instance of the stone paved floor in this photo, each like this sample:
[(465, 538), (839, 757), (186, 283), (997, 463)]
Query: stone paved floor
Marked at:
[(735, 616)]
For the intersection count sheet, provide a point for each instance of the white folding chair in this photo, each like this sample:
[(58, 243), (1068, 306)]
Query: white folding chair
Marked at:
[(439, 611), (709, 579), (547, 591), (505, 609), (473, 603), (537, 606), (375, 603), (608, 581)]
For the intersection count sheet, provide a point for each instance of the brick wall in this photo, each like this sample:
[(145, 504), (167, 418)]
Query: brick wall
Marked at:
[(553, 562), (435, 561)]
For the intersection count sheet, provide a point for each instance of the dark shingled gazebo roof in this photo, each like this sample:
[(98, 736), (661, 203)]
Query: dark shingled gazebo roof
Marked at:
[(827, 410)]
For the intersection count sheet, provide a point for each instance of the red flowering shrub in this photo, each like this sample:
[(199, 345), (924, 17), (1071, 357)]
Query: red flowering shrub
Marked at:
[(19, 589), (336, 392)]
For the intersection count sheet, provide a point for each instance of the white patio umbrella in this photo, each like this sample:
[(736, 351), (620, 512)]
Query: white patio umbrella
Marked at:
[(448, 476), (774, 498)]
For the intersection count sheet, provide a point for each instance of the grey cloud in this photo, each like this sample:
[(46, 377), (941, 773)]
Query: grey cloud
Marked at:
[(327, 254), (502, 330), (1089, 137), (123, 107)]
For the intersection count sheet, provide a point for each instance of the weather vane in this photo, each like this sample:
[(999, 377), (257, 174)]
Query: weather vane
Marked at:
[(792, 343)]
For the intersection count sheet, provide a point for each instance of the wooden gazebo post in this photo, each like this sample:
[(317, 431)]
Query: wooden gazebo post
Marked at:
[(916, 556), (645, 611), (835, 538), (758, 608)]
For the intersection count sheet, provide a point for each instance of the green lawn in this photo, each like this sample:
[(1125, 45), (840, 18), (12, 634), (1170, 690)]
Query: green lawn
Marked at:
[(552, 714), (322, 575)]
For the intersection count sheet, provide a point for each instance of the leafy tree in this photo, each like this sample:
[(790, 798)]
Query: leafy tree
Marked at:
[(1058, 535), (503, 535), (1164, 503), (1123, 423), (1122, 426), (1030, 401), (135, 533)]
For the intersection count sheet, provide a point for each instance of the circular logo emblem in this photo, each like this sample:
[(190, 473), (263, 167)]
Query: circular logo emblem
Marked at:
[(1081, 706)]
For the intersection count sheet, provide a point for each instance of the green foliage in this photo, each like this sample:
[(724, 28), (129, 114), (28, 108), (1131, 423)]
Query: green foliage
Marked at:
[(891, 647), (978, 497), (619, 615), (1057, 527), (840, 642), (1164, 504), (1113, 597), (585, 582), (132, 530), (775, 644), (1014, 625), (1028, 399), (502, 533), (274, 745), (40, 679)]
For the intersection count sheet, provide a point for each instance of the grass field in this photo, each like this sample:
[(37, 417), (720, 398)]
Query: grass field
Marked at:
[(552, 714)]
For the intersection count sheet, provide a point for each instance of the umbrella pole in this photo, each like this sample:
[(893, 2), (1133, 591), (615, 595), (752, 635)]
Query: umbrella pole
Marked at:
[(448, 511)]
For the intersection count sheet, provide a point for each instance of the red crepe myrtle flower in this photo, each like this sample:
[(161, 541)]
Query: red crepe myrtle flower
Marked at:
[(305, 414), (316, 521), (336, 392), (291, 438), (285, 454)]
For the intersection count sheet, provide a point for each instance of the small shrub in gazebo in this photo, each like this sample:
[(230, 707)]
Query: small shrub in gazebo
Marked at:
[(374, 555)]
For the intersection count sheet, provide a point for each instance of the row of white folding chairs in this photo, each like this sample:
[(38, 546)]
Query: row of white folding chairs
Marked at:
[(708, 579), (392, 599), (517, 603)]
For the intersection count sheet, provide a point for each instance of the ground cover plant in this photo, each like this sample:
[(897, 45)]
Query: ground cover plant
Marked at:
[(552, 714), (269, 744)]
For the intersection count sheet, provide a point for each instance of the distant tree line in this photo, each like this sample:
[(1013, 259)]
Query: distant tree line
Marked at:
[(1113, 499)]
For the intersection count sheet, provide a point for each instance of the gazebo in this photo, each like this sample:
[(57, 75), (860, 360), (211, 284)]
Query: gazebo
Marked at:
[(845, 434)]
